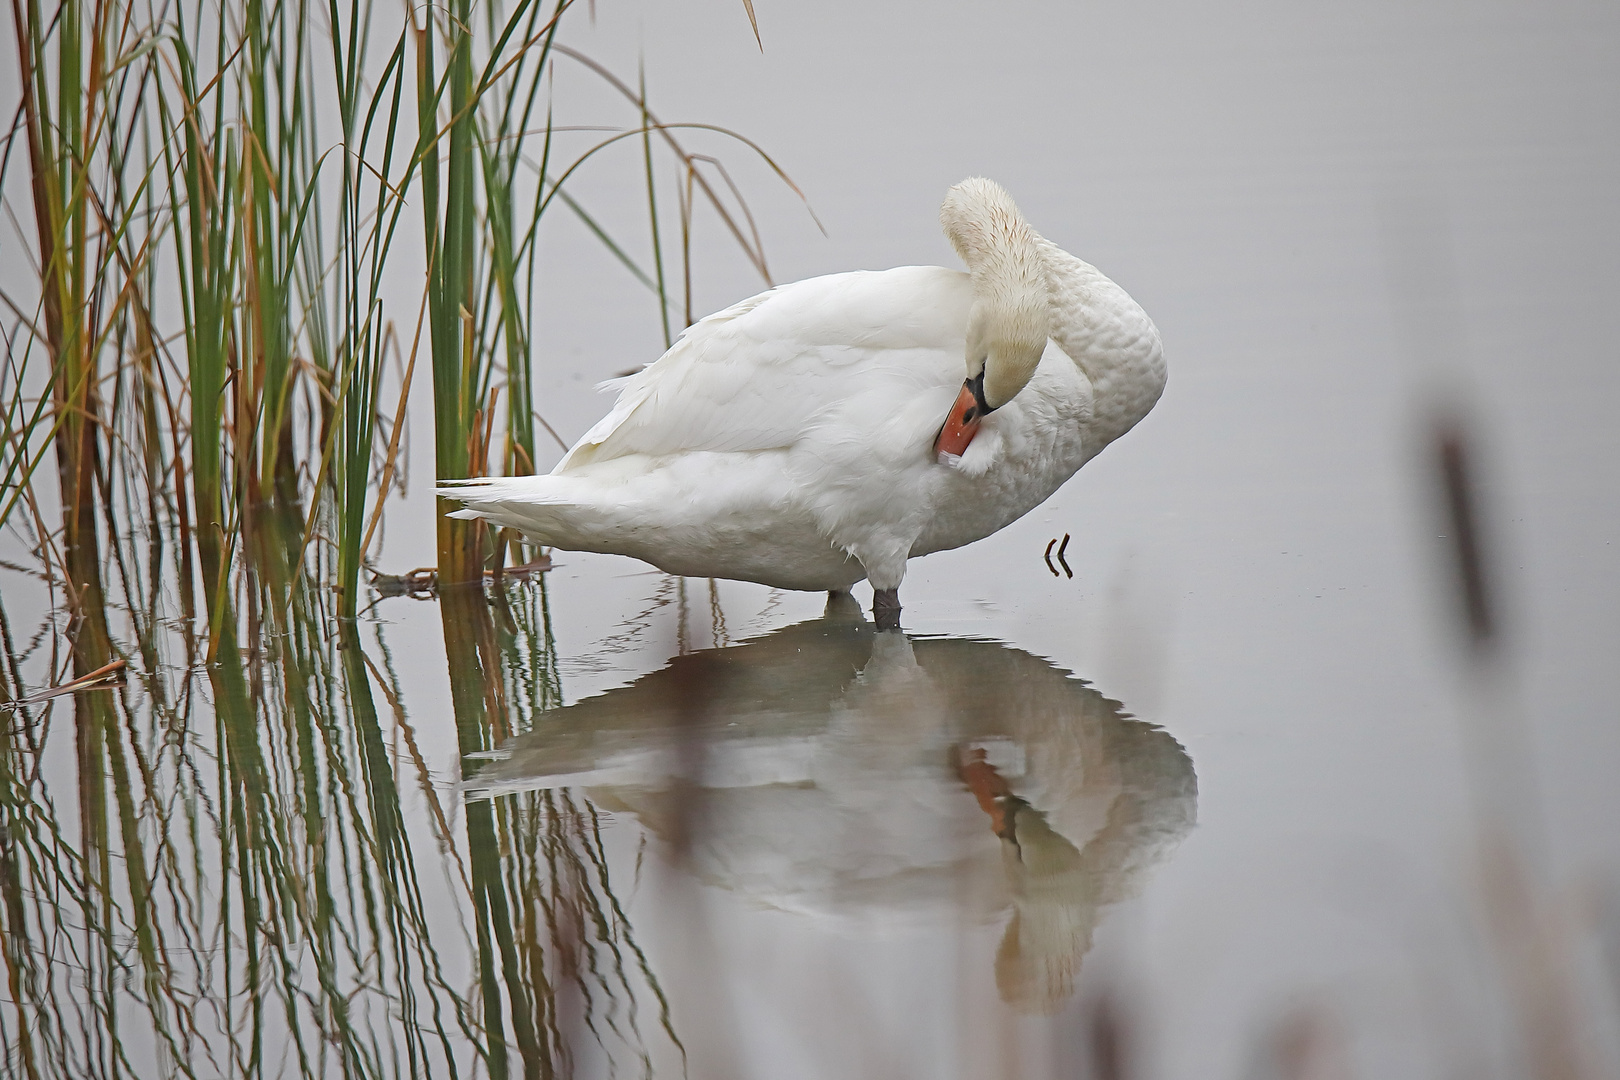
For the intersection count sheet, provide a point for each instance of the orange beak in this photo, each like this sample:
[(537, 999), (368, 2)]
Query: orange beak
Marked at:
[(961, 424)]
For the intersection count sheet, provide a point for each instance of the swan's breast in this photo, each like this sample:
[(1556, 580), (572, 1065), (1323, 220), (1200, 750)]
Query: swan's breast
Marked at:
[(1034, 444)]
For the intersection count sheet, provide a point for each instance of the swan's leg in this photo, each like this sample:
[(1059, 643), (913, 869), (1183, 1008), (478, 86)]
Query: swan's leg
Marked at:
[(883, 557), (886, 608)]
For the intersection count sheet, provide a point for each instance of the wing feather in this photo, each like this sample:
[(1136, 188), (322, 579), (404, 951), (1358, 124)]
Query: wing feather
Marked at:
[(763, 373)]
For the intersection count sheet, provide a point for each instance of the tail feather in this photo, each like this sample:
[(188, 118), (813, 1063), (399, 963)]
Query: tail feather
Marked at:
[(540, 489), (538, 506)]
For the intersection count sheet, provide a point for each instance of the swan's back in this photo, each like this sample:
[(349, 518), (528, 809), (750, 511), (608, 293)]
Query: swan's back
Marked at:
[(766, 372)]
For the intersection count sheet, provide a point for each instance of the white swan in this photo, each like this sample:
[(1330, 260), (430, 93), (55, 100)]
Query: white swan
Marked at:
[(795, 439)]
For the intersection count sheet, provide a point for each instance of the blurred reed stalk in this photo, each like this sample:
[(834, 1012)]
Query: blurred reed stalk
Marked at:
[(1533, 939)]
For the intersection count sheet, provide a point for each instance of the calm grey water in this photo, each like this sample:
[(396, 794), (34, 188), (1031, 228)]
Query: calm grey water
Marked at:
[(1339, 218), (1336, 217)]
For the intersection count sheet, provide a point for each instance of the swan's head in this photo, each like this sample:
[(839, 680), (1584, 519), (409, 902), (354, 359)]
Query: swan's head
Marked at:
[(1009, 321)]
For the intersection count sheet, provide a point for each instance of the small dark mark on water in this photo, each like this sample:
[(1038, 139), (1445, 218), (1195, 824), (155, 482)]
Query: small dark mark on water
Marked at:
[(1061, 548)]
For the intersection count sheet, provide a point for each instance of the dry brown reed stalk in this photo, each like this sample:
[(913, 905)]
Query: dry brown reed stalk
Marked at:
[(103, 678)]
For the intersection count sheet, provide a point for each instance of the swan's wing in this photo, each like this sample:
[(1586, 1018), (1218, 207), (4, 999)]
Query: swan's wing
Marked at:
[(761, 374)]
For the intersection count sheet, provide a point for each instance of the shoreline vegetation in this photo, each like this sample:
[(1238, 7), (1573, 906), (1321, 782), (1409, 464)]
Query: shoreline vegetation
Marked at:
[(211, 859), (224, 212)]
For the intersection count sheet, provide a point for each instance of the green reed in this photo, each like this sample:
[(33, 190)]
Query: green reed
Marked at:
[(216, 197), (221, 867)]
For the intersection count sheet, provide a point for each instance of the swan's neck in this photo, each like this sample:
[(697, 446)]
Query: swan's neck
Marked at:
[(1002, 252), (1007, 326), (1112, 341)]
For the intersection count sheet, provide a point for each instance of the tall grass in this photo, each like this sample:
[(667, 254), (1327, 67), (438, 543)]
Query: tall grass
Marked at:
[(218, 201), (484, 196), (211, 327)]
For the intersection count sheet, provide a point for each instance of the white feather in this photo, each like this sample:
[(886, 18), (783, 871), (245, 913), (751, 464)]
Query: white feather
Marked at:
[(789, 438)]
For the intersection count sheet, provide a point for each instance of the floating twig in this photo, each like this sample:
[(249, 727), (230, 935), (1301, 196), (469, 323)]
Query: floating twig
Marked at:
[(1061, 548), (103, 678)]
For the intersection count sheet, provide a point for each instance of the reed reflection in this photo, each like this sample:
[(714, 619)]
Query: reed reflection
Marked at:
[(244, 867), (832, 769)]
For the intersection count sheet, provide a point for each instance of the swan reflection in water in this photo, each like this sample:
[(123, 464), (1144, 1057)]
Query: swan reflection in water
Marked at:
[(832, 768)]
